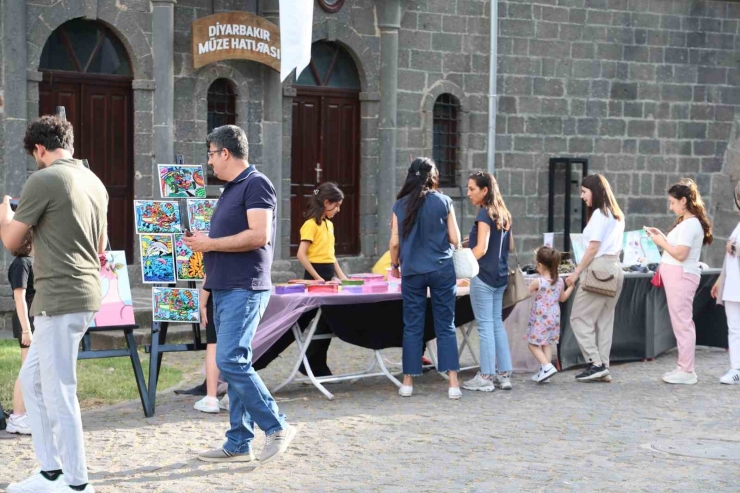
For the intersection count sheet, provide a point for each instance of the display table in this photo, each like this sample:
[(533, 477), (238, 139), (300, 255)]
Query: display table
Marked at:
[(642, 325), (372, 321)]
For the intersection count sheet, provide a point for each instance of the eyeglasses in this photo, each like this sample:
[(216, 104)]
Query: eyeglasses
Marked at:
[(211, 153)]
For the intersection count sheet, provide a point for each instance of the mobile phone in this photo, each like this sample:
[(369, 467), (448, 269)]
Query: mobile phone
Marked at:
[(14, 204), (188, 232)]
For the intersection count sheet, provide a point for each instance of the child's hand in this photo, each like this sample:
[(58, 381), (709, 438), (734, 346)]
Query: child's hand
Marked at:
[(26, 338)]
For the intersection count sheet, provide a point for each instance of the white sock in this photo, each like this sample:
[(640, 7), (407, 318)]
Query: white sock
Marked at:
[(546, 367)]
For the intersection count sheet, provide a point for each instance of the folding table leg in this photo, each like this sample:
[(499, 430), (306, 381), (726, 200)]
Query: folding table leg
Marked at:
[(466, 343), (433, 357), (302, 347), (138, 373), (384, 369)]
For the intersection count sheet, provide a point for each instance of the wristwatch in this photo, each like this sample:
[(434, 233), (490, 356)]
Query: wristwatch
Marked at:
[(395, 266)]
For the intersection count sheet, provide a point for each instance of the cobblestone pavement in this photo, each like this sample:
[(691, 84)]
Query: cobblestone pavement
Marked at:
[(562, 436)]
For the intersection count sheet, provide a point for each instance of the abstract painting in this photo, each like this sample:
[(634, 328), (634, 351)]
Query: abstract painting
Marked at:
[(175, 305), (639, 249), (200, 212), (189, 263), (117, 307), (157, 216), (157, 261), (181, 181)]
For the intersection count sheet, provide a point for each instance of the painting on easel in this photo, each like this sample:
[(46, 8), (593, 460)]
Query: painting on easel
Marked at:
[(117, 307), (189, 264), (157, 216), (200, 212), (157, 261), (181, 181), (175, 305)]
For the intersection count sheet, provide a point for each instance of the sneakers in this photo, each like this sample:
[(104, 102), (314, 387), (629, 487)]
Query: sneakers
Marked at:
[(406, 391), (545, 373), (37, 483), (732, 377), (479, 383), (88, 489), (454, 393), (277, 443), (18, 423), (224, 404), (606, 378), (681, 377), (503, 380), (221, 455), (593, 372), (207, 405), (678, 368)]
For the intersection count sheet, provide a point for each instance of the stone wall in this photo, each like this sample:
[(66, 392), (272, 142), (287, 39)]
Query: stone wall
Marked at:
[(647, 91)]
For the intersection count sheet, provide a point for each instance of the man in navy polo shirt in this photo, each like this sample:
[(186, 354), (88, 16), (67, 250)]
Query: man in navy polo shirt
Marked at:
[(237, 256)]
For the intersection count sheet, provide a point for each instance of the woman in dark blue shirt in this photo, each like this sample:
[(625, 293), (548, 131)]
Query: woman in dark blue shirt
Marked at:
[(424, 231), (490, 240)]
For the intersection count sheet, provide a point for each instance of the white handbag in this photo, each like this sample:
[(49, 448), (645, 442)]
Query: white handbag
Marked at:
[(466, 265)]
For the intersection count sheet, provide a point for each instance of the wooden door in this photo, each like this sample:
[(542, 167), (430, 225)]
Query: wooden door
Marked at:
[(101, 112), (326, 147)]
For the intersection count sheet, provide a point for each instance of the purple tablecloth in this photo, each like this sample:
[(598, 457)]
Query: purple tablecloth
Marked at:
[(284, 310)]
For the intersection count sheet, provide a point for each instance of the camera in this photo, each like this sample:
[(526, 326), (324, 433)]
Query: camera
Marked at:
[(14, 204)]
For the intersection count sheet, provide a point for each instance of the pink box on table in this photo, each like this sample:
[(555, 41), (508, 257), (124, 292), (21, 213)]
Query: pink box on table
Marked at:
[(353, 289), (375, 287), (323, 288), (290, 288)]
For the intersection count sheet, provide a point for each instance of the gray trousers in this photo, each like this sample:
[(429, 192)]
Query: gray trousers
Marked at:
[(49, 383), (592, 315)]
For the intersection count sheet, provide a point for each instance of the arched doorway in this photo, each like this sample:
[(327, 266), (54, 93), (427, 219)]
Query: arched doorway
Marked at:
[(326, 141), (87, 70)]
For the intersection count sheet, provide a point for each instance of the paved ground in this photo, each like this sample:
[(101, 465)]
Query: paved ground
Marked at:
[(563, 436)]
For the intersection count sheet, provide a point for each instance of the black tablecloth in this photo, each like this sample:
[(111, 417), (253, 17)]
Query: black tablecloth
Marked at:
[(642, 326), (380, 325)]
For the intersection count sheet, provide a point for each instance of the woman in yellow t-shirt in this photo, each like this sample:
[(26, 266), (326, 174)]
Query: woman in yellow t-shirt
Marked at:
[(316, 251)]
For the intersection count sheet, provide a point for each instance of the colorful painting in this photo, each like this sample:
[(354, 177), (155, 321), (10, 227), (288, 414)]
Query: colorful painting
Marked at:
[(639, 249), (175, 305), (117, 307), (157, 261), (177, 180), (157, 216), (189, 263), (200, 212)]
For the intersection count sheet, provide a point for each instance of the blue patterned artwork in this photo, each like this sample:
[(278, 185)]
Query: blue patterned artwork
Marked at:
[(157, 216), (157, 259)]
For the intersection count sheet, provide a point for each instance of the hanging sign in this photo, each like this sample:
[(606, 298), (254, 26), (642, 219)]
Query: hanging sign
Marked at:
[(235, 35)]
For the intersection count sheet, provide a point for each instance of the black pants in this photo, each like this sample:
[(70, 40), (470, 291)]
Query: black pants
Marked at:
[(316, 352)]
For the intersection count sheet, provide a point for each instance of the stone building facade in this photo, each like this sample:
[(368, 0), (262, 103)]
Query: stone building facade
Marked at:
[(645, 90)]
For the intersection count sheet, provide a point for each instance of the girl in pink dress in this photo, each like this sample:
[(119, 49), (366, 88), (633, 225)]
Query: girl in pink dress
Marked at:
[(543, 329)]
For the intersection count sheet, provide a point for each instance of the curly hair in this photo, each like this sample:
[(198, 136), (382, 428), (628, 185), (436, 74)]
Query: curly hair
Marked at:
[(51, 132), (687, 189), (24, 250)]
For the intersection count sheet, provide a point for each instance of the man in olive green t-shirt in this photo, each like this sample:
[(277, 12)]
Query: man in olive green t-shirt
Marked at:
[(67, 206)]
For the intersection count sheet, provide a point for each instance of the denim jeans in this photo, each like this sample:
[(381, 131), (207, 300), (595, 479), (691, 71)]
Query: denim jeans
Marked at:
[(237, 312), (487, 305), (443, 287)]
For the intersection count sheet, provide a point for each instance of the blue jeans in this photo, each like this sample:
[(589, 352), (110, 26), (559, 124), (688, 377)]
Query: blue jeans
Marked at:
[(443, 287), (237, 312), (494, 344)]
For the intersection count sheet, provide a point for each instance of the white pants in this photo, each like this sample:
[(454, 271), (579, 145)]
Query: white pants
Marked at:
[(49, 383), (732, 310)]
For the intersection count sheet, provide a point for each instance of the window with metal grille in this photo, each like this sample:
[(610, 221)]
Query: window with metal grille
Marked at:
[(221, 111), (446, 138)]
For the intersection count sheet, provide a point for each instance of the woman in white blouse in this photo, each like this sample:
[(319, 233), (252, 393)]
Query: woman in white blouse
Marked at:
[(592, 315), (727, 292), (680, 271)]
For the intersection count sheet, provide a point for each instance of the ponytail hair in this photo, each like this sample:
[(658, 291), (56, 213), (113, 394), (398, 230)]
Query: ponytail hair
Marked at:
[(422, 178), (687, 189), (326, 191), (550, 258)]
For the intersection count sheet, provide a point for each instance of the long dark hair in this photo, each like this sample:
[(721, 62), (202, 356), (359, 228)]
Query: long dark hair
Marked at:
[(687, 189), (602, 197), (421, 179), (326, 191), (493, 201)]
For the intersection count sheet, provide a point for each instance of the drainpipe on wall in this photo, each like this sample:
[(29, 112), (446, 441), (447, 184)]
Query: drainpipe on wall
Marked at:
[(492, 96)]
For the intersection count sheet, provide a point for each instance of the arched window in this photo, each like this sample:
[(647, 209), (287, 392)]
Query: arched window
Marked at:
[(221, 111), (331, 66), (87, 47), (446, 138)]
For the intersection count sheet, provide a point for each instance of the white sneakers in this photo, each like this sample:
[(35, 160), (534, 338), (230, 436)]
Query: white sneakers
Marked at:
[(546, 371), (454, 393), (479, 383), (37, 483), (732, 377), (406, 391), (681, 377), (18, 423), (503, 381), (212, 405)]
